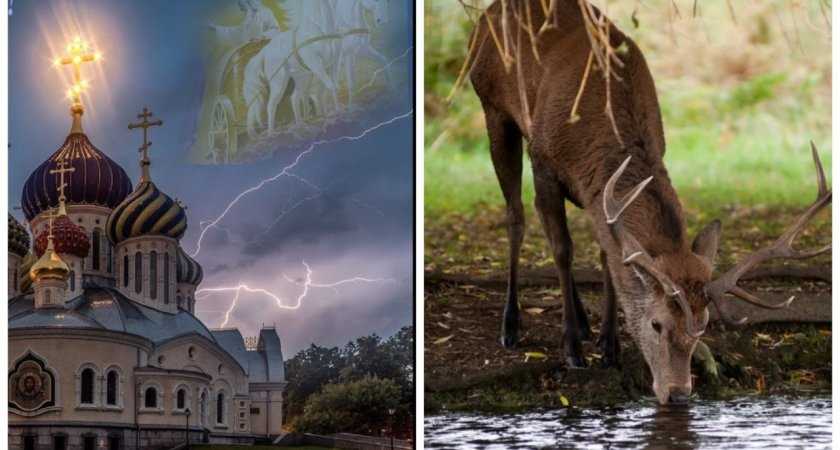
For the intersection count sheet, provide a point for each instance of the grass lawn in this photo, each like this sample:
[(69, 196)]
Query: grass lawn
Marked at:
[(738, 115)]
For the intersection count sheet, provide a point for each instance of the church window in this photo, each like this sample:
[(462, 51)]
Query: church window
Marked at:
[(191, 352), (166, 278), (111, 394), (95, 249), (87, 386), (47, 297), (125, 271), (29, 442), (60, 442), (138, 272), (181, 401), (89, 443), (72, 280), (150, 400), (203, 408), (114, 443), (153, 275), (15, 280), (220, 408), (109, 257), (180, 302)]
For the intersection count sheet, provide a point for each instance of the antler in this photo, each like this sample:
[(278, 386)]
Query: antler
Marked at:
[(632, 251), (781, 248)]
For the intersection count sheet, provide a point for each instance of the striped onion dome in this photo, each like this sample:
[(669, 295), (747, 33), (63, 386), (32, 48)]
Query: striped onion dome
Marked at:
[(68, 238), (189, 270), (97, 180), (18, 238), (146, 211), (24, 282)]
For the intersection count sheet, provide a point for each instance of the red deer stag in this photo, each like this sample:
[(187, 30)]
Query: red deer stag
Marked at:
[(662, 281)]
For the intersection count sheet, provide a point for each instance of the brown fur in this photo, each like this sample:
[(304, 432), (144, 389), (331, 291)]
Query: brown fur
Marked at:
[(574, 161)]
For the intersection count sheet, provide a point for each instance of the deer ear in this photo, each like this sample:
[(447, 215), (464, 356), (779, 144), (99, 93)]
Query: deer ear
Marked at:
[(706, 243)]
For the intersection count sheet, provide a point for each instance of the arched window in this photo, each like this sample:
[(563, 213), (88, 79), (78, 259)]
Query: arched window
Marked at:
[(138, 272), (72, 280), (153, 275), (166, 278), (15, 280), (94, 253), (150, 398), (112, 384), (125, 271), (87, 386), (181, 399), (180, 302), (202, 408), (109, 257), (48, 296), (220, 408)]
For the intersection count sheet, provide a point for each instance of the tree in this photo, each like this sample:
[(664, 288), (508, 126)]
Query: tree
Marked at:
[(354, 407), (307, 372)]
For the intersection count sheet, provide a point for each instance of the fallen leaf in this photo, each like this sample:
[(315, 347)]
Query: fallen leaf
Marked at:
[(535, 355), (443, 325), (563, 400), (535, 311), (443, 340)]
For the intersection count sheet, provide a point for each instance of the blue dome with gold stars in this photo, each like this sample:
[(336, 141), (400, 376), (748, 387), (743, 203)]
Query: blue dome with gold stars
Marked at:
[(146, 211)]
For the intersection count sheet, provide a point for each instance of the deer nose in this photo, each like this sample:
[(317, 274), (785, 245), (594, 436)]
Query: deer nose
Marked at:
[(678, 396)]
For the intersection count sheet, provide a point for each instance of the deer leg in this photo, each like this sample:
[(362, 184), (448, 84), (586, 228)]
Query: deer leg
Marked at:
[(551, 205), (608, 341), (506, 152)]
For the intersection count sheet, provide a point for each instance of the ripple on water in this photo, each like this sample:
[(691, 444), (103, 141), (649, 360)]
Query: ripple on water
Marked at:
[(752, 423)]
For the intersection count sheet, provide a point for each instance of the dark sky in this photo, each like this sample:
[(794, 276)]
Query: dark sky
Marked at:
[(351, 217)]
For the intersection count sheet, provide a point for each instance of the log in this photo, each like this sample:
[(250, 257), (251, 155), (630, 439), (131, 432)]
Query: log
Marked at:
[(592, 278)]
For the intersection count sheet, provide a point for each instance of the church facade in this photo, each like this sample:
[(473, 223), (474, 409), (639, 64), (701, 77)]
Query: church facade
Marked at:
[(105, 350)]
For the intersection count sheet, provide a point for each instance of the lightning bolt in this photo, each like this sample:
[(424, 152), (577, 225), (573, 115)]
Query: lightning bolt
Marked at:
[(307, 283), (286, 172)]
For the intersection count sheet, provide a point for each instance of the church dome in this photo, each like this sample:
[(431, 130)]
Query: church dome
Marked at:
[(147, 211), (18, 238), (97, 180), (49, 265), (68, 238), (189, 271)]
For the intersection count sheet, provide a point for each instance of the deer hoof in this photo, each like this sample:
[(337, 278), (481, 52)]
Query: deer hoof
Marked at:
[(575, 362)]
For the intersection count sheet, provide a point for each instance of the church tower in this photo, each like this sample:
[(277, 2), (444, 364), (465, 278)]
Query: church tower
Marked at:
[(49, 276), (95, 184), (145, 229)]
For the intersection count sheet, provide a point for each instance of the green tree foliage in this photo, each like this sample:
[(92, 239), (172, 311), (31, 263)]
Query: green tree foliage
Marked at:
[(354, 407), (313, 369)]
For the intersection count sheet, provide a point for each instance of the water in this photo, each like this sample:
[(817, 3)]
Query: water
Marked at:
[(749, 423)]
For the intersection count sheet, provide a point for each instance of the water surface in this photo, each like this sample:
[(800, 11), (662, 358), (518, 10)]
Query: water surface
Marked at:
[(749, 423)]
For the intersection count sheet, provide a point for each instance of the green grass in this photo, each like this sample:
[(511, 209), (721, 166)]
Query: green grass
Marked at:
[(737, 127)]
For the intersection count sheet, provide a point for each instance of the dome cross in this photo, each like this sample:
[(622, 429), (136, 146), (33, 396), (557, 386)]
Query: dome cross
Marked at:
[(78, 52), (61, 169), (145, 124)]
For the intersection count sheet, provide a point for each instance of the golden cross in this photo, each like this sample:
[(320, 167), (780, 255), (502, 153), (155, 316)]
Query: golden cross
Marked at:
[(145, 124), (61, 170), (50, 216), (78, 52)]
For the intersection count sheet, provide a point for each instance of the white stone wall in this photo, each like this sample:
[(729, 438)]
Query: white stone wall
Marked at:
[(148, 247), (50, 293)]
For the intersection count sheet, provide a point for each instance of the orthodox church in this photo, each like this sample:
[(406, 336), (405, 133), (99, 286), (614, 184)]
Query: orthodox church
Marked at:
[(105, 350)]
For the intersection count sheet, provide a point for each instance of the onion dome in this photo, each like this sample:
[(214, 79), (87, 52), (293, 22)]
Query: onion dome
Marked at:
[(189, 271), (18, 238), (68, 238), (49, 265), (147, 211), (97, 180), (24, 282)]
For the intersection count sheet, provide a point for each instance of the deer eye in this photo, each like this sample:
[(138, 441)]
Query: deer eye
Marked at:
[(656, 326)]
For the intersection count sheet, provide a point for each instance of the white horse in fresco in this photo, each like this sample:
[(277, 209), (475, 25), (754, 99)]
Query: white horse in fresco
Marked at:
[(352, 15)]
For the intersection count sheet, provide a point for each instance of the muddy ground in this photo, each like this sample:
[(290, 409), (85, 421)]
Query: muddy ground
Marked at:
[(466, 368)]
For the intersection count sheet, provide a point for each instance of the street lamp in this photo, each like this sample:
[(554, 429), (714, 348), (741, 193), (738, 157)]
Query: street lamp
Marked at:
[(391, 412), (187, 429)]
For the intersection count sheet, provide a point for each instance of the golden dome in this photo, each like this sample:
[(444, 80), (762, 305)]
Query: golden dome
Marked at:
[(49, 265)]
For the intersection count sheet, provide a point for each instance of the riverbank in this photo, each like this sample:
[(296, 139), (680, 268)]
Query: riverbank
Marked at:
[(467, 369)]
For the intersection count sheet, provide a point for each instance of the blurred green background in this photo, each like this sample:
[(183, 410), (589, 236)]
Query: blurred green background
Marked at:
[(742, 93)]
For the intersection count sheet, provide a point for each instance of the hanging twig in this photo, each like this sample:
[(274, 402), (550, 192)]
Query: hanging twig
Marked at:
[(573, 115)]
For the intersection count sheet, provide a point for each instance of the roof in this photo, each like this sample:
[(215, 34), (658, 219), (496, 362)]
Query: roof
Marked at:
[(107, 309), (264, 365)]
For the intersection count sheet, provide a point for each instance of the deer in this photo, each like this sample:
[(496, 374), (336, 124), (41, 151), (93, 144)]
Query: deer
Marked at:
[(610, 166)]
